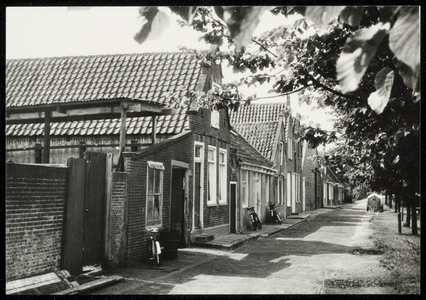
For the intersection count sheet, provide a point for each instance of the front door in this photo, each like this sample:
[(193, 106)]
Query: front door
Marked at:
[(177, 218), (233, 227), (197, 196)]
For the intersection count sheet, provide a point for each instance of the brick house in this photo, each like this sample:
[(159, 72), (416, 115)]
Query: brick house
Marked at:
[(161, 150), (311, 179), (271, 130), (253, 184), (333, 189)]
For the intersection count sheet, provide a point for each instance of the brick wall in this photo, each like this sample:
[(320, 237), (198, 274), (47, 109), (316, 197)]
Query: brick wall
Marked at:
[(35, 202), (118, 222), (136, 169)]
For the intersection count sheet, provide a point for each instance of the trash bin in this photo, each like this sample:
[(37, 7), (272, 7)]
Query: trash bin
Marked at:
[(170, 242)]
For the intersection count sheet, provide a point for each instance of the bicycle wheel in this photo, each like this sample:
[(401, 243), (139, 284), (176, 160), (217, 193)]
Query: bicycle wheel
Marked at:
[(157, 259), (254, 223), (259, 224), (278, 218)]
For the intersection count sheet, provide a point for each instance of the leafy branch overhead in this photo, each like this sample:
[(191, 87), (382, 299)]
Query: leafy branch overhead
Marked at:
[(397, 26)]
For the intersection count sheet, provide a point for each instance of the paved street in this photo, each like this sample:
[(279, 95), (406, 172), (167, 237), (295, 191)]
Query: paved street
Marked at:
[(297, 260)]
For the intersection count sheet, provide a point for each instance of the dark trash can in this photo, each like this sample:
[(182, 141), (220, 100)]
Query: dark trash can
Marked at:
[(170, 242)]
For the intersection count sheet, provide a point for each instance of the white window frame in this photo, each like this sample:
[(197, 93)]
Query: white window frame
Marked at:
[(212, 193), (288, 189), (245, 187), (223, 199), (215, 114), (293, 189), (160, 167), (290, 148), (282, 153), (200, 160)]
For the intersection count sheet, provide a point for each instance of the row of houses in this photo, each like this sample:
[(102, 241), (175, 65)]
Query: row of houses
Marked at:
[(189, 169)]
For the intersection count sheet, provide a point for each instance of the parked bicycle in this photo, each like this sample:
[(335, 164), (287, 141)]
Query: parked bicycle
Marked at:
[(155, 247), (254, 219), (274, 213)]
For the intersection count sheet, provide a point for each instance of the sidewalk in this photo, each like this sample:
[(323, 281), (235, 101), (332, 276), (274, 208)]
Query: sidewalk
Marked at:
[(232, 241)]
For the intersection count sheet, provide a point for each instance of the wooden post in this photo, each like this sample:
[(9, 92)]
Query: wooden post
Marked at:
[(386, 197), (108, 185), (390, 199), (408, 218), (154, 130), (122, 144), (46, 152)]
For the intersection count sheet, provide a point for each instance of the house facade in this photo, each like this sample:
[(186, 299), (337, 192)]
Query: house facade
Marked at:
[(175, 160), (253, 184), (333, 190), (311, 179), (274, 132)]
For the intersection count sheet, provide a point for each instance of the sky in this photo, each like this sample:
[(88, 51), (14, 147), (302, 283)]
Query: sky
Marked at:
[(34, 32)]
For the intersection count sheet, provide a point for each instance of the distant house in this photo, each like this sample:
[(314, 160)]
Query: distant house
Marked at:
[(175, 163), (333, 189), (271, 130), (311, 180), (253, 183)]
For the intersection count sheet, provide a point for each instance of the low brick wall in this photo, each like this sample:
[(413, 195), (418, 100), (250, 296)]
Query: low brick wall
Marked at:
[(35, 202)]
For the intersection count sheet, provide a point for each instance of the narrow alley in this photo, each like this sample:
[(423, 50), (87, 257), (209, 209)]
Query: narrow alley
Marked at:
[(324, 248)]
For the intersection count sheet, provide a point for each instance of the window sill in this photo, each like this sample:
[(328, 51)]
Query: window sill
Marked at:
[(211, 204), (222, 204)]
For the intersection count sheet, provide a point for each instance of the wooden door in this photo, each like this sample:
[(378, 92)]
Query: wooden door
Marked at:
[(72, 253), (233, 219), (197, 196), (177, 220), (94, 212)]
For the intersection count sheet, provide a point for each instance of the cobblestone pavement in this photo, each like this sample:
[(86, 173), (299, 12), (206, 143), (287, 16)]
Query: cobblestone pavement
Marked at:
[(294, 261)]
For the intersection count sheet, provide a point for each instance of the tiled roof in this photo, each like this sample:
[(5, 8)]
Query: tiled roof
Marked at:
[(258, 124), (257, 113), (145, 76), (84, 78), (170, 124), (261, 136), (246, 152)]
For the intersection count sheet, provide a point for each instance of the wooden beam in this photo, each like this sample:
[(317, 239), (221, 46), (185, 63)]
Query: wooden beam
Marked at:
[(154, 130), (46, 152), (34, 118)]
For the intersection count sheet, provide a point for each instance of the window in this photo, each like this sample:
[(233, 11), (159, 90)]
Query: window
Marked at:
[(215, 118), (288, 189), (282, 153), (154, 193), (215, 115), (290, 148), (245, 185), (211, 182), (293, 188), (222, 177)]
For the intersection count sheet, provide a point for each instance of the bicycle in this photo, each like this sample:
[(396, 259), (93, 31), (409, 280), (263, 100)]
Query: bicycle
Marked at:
[(155, 247), (274, 213), (254, 219)]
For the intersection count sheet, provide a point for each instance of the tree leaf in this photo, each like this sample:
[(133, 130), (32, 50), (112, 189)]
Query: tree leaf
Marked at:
[(241, 21), (352, 15), (381, 77), (321, 16), (154, 22), (185, 12), (357, 54), (404, 37), (380, 98), (147, 15), (411, 78)]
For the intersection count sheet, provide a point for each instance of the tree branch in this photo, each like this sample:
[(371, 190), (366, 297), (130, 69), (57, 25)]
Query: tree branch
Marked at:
[(337, 93), (263, 47)]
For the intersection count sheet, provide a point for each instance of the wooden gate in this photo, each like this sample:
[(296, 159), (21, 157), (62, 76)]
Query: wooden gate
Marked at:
[(85, 212)]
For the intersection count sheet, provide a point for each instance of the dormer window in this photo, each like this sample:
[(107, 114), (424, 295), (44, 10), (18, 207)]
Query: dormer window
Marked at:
[(215, 115)]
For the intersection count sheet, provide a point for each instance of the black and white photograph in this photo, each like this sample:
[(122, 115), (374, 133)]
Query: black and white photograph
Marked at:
[(212, 150)]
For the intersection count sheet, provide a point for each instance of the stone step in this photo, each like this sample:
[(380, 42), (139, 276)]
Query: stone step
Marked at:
[(203, 238)]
